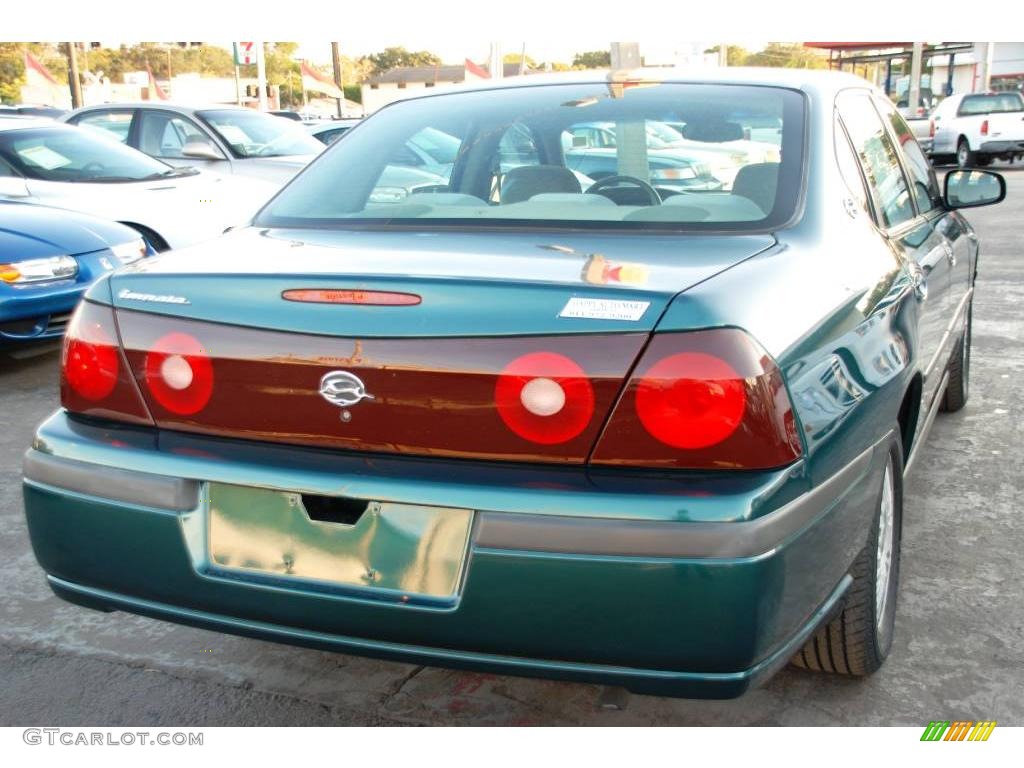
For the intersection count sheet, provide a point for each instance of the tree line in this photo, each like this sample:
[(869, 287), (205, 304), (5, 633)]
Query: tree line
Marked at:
[(167, 60)]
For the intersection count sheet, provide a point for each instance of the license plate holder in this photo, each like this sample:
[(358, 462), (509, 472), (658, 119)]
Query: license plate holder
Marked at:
[(402, 550)]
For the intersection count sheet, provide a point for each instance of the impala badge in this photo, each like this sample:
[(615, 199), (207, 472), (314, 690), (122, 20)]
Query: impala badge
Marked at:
[(343, 389)]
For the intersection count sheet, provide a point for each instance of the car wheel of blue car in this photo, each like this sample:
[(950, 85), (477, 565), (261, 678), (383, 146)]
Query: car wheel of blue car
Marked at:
[(857, 640), (957, 388)]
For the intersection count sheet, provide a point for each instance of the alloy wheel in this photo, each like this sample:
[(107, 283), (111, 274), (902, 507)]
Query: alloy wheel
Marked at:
[(884, 551)]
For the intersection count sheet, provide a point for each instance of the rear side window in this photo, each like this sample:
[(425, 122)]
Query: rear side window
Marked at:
[(878, 158), (984, 104), (116, 124), (922, 177), (850, 168)]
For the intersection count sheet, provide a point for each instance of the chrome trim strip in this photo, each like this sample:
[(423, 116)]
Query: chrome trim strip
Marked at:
[(141, 488), (929, 419), (637, 538)]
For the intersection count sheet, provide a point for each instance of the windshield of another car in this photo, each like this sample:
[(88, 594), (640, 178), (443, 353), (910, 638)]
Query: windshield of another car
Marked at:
[(254, 134), (984, 104), (63, 153), (629, 156)]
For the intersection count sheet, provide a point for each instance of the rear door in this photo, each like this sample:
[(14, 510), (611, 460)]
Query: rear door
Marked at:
[(928, 198), (906, 214)]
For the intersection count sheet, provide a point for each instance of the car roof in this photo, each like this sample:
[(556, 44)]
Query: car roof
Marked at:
[(18, 122), (165, 105), (818, 82)]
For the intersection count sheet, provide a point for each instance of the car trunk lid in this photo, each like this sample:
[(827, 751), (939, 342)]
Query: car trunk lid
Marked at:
[(422, 378)]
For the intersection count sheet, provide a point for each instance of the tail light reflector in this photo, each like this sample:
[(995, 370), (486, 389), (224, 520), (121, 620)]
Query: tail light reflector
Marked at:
[(702, 400), (984, 128), (544, 397), (179, 374), (931, 129), (95, 379)]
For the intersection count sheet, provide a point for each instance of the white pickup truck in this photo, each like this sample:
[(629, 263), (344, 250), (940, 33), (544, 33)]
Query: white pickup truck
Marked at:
[(977, 128)]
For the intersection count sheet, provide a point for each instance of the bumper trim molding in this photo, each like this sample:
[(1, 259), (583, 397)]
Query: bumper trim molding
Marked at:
[(679, 683), (635, 538), (111, 484)]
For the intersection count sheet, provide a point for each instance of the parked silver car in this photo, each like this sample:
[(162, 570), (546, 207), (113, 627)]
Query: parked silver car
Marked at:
[(225, 139)]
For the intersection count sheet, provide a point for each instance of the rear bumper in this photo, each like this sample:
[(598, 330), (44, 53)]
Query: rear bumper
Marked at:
[(1001, 147), (659, 592)]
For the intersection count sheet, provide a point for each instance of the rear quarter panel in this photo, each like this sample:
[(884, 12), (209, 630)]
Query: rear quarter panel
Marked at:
[(832, 303)]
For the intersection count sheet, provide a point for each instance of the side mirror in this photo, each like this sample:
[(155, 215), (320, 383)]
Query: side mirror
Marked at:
[(970, 189), (201, 150), (13, 186)]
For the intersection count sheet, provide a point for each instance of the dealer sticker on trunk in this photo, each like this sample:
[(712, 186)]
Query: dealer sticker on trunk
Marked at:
[(604, 309)]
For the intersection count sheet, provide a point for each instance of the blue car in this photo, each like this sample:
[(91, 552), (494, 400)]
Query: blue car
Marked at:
[(48, 257)]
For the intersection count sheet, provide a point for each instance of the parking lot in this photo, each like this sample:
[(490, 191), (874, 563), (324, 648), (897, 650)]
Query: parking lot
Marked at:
[(958, 652)]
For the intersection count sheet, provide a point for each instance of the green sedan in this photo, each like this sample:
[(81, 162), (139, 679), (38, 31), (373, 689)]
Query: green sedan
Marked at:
[(614, 430)]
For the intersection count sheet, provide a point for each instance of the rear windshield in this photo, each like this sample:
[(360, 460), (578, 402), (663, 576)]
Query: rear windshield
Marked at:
[(986, 104), (602, 155)]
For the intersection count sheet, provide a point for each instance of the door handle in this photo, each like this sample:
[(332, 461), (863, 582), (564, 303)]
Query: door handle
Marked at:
[(950, 254), (918, 280)]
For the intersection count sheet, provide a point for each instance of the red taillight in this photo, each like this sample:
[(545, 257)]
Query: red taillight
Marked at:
[(90, 361), (94, 377), (702, 400), (691, 400), (544, 397), (984, 127), (931, 129), (179, 374)]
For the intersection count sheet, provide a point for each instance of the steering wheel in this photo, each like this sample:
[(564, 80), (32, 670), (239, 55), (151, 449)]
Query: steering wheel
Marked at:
[(613, 181), (93, 166)]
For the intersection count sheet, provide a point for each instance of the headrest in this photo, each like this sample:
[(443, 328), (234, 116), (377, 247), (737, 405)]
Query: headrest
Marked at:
[(712, 130), (524, 182)]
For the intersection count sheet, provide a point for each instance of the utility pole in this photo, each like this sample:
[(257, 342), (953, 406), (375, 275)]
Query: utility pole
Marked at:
[(987, 51), (336, 61), (261, 76), (914, 91), (73, 80)]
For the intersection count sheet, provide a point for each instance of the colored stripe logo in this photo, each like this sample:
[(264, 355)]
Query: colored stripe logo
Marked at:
[(958, 730)]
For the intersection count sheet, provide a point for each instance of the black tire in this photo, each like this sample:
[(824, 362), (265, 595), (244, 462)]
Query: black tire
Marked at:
[(982, 160), (964, 157), (855, 641), (958, 386)]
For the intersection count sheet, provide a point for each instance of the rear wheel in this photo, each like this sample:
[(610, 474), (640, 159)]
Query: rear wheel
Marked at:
[(964, 156), (858, 639), (958, 386)]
